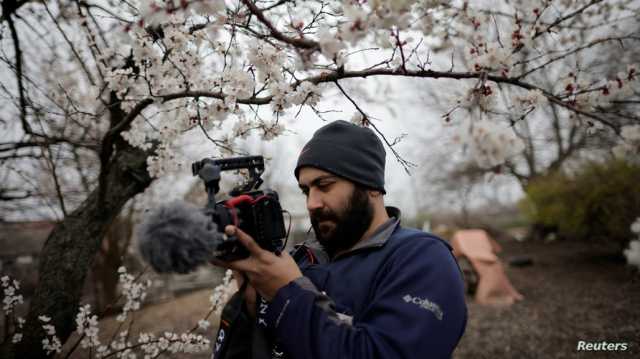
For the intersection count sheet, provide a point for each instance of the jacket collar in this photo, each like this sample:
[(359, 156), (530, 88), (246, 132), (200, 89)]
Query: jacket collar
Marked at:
[(377, 239)]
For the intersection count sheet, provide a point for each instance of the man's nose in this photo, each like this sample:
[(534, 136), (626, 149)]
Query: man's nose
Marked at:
[(314, 201)]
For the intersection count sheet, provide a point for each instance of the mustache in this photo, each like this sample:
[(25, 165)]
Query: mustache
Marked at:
[(319, 215)]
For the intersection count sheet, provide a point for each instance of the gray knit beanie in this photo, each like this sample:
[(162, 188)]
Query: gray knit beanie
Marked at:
[(346, 150)]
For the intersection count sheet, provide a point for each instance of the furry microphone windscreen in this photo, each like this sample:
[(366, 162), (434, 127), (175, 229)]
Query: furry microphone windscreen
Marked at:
[(177, 237)]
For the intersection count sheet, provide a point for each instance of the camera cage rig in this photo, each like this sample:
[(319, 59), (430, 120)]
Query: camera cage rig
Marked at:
[(209, 170), (257, 212)]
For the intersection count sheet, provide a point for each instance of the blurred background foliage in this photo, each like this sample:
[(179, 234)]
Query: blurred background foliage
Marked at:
[(598, 201)]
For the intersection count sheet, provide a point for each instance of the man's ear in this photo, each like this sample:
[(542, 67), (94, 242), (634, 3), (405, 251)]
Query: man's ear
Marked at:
[(374, 193)]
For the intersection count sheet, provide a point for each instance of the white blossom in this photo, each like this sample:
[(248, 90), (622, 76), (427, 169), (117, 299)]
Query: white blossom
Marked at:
[(49, 329), (530, 100), (11, 297), (391, 13), (630, 133), (150, 347), (357, 119), (166, 160), (384, 40), (102, 351), (203, 324), (17, 338), (633, 252), (173, 343), (208, 7), (279, 91), (356, 26), (628, 146), (238, 83), (169, 130), (489, 143), (492, 59), (306, 93), (87, 326), (152, 12), (635, 227), (481, 98), (136, 134), (535, 98), (330, 45), (241, 128), (134, 292), (230, 102), (216, 113), (120, 80), (51, 343), (268, 60), (272, 130), (223, 292), (143, 51)]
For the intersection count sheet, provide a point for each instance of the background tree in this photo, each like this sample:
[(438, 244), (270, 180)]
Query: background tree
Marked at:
[(110, 93), (577, 54)]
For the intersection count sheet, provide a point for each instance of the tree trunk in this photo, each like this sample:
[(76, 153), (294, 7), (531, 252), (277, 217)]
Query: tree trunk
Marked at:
[(109, 258), (69, 251)]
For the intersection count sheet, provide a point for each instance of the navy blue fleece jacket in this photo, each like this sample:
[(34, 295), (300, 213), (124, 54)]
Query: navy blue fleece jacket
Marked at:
[(398, 294)]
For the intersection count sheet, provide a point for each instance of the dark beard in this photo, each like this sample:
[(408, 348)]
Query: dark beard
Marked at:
[(349, 225)]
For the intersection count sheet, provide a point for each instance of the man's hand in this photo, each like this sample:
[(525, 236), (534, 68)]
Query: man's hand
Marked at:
[(266, 271), (249, 293)]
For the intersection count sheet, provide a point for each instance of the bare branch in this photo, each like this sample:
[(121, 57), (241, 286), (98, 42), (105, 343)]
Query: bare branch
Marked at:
[(566, 17), (301, 42), (367, 122), (56, 181), (18, 67), (71, 46), (576, 50)]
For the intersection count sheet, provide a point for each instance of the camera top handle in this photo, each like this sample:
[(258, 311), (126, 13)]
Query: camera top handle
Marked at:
[(209, 170)]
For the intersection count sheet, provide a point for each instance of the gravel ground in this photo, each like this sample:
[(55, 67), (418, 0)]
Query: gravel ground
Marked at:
[(572, 293)]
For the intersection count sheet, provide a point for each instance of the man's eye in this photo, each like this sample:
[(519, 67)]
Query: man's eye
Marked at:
[(324, 186)]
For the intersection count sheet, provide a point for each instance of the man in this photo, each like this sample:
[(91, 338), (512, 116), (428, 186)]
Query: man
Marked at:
[(365, 287)]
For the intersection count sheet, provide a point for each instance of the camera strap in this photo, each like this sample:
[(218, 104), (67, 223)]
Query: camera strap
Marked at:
[(239, 335), (233, 325)]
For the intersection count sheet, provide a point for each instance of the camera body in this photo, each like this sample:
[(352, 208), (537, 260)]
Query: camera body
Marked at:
[(256, 212)]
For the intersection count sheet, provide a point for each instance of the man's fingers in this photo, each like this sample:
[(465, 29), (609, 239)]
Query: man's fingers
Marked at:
[(219, 263), (238, 276), (249, 264), (241, 265), (246, 265), (245, 239)]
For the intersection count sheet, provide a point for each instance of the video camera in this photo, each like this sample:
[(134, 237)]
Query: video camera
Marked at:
[(257, 213)]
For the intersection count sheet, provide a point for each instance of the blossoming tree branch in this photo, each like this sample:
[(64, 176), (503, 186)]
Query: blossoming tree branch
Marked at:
[(97, 95)]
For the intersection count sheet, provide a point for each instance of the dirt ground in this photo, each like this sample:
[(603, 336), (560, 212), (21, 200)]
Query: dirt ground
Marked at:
[(572, 293)]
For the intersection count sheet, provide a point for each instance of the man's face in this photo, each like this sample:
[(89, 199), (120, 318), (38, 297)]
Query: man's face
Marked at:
[(340, 211)]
